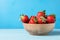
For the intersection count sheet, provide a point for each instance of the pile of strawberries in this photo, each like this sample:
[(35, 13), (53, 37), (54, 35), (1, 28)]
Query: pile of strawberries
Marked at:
[(40, 18)]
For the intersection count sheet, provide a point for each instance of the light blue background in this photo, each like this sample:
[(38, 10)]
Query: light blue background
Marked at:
[(10, 11)]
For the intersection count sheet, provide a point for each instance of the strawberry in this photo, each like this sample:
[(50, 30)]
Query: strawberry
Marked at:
[(41, 14), (33, 20), (24, 18), (53, 15), (51, 19), (32, 17), (41, 20)]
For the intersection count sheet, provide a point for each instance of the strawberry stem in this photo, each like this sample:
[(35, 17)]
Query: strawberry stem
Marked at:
[(21, 16), (35, 19), (44, 11)]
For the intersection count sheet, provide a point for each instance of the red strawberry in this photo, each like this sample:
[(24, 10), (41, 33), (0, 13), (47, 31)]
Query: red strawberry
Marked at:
[(41, 20), (24, 18), (50, 19), (32, 17), (53, 15), (41, 14), (33, 20)]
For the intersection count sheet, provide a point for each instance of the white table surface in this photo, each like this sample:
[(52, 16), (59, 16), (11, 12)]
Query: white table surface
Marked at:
[(21, 34)]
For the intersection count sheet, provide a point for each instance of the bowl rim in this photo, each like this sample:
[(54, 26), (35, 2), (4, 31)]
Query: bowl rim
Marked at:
[(38, 24)]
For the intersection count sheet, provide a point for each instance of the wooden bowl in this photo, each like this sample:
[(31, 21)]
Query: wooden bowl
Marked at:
[(39, 29)]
